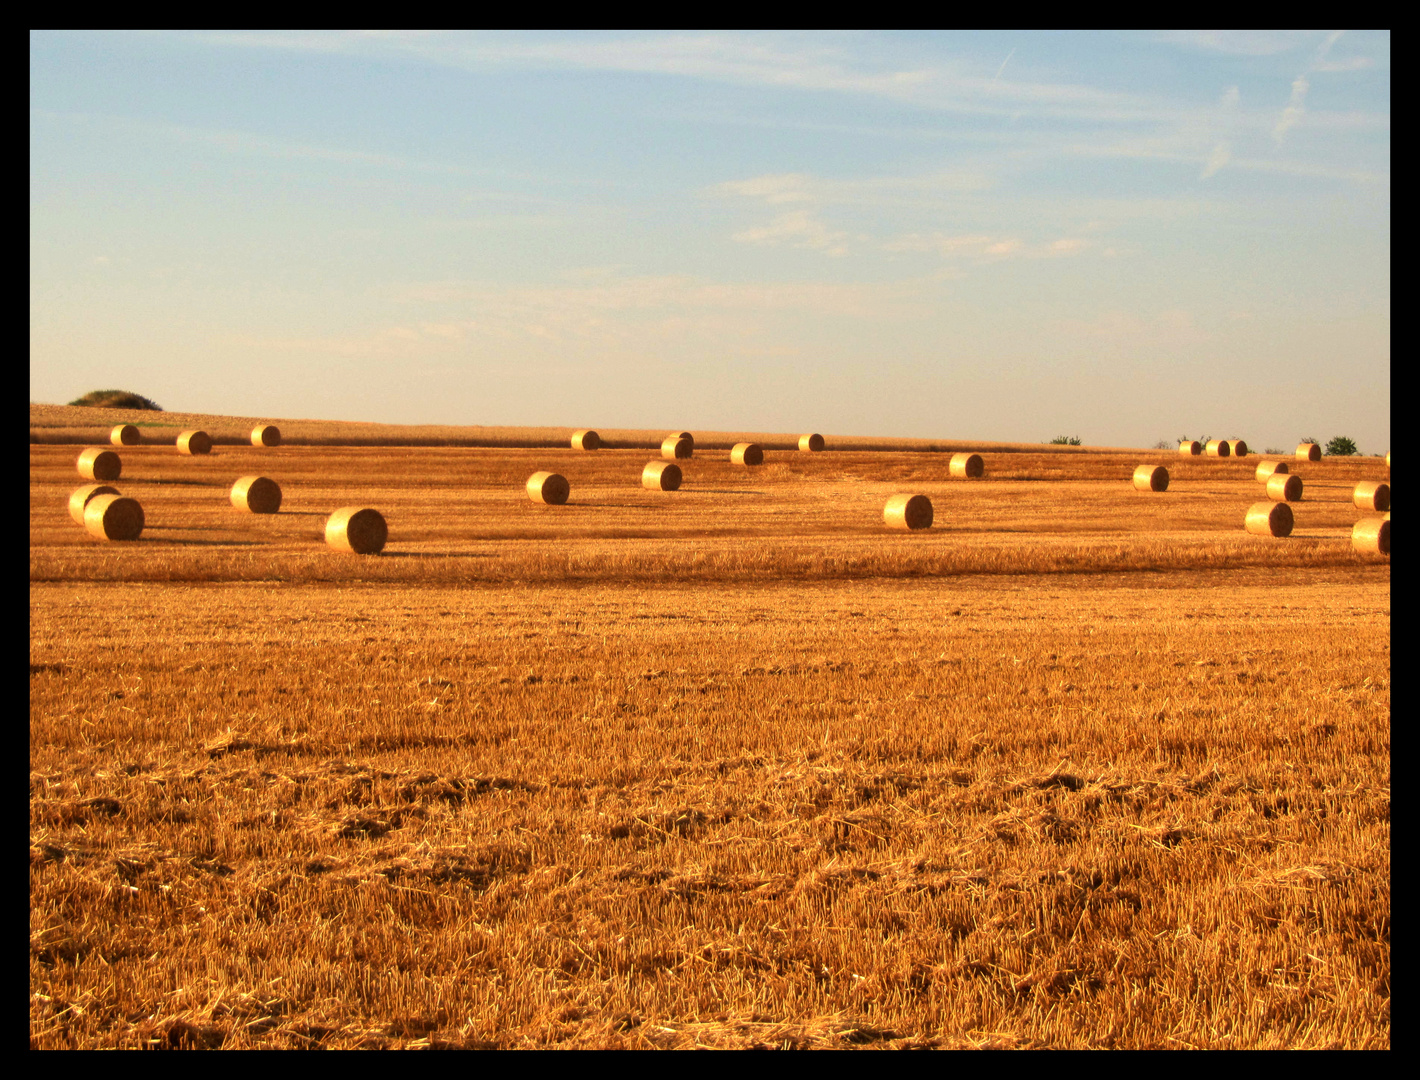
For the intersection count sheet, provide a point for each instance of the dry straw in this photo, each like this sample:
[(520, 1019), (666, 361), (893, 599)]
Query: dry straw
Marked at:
[(194, 442), (814, 442), (661, 476), (967, 465), (586, 439), (96, 463), (1372, 495), (1268, 469), (1284, 488), (1308, 451), (908, 512), (1219, 448), (125, 435), (548, 487), (1269, 519), (357, 529), (1239, 448), (1371, 536), (1151, 478), (256, 495), (266, 435), (747, 453), (1190, 448), (80, 499), (114, 517), (680, 445)]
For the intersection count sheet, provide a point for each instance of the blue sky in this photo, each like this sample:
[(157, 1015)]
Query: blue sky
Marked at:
[(1011, 236)]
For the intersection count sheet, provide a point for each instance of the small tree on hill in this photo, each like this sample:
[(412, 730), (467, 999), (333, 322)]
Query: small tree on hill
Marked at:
[(1065, 440), (1341, 446), (116, 399)]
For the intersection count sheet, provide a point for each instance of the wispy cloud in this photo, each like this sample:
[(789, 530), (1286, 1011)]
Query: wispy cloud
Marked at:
[(799, 228), (1292, 114)]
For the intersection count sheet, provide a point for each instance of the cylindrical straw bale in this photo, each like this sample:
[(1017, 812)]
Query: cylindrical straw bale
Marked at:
[(1190, 448), (357, 529), (194, 442), (1308, 451), (1239, 448), (114, 517), (96, 463), (80, 499), (548, 487), (1387, 459), (266, 435), (747, 453), (1151, 478), (1284, 488), (1266, 470), (1218, 448), (661, 476), (256, 495), (814, 442), (1269, 519), (1371, 536), (677, 446), (967, 465), (586, 439), (125, 435), (1372, 495), (908, 512)]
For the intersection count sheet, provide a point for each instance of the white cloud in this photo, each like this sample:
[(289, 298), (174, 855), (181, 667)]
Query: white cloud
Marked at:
[(799, 228), (1220, 156), (1292, 114)]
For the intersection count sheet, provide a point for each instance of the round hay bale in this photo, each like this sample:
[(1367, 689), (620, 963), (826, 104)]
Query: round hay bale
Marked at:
[(586, 439), (80, 499), (548, 487), (1218, 448), (1387, 459), (1308, 451), (968, 465), (1372, 495), (908, 512), (125, 435), (1266, 470), (1269, 519), (1239, 448), (194, 442), (814, 443), (114, 517), (1190, 448), (1284, 488), (747, 453), (677, 446), (256, 495), (96, 463), (357, 529), (1371, 536), (661, 476), (266, 435), (1151, 478)]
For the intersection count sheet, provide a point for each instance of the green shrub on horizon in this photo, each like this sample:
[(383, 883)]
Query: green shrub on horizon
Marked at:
[(116, 399)]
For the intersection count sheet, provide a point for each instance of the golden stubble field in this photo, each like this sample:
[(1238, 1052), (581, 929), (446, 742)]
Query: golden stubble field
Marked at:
[(730, 766)]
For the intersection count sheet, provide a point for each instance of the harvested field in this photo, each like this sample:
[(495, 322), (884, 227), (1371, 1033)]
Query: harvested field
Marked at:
[(1072, 768)]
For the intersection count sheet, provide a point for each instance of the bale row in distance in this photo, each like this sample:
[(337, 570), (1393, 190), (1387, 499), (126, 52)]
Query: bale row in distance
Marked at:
[(548, 487), (357, 529), (79, 500), (679, 445), (256, 495), (908, 512), (1269, 519), (747, 453), (96, 463), (1151, 478), (1284, 488), (1372, 495), (194, 442), (114, 517), (1371, 536), (1308, 451), (125, 435)]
